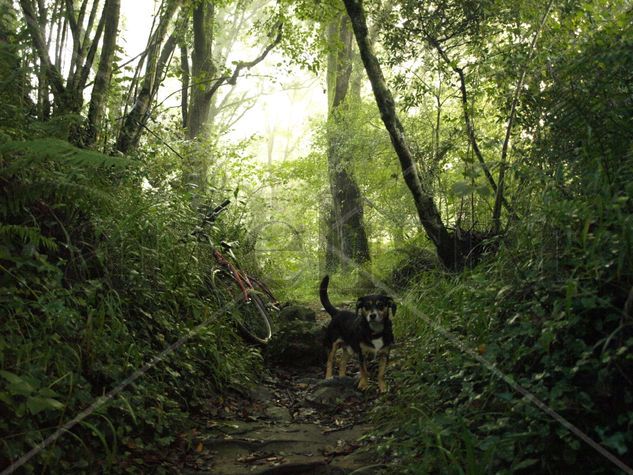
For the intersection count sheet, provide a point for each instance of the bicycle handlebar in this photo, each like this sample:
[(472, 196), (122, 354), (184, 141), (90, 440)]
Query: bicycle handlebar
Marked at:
[(212, 216)]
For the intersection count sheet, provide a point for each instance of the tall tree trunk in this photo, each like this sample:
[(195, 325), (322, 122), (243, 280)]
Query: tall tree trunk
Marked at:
[(348, 241), (135, 121), (332, 241), (203, 68), (37, 36), (452, 249), (205, 81), (185, 78), (111, 11)]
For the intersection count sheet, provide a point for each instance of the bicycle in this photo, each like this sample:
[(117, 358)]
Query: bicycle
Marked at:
[(252, 315)]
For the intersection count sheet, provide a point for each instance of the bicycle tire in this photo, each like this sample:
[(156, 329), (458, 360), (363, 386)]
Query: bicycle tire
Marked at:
[(255, 322)]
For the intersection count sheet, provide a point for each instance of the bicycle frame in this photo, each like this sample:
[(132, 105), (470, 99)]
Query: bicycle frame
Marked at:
[(241, 279)]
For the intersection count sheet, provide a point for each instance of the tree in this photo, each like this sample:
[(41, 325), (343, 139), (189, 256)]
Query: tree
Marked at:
[(156, 59), (60, 22), (454, 249), (347, 239), (103, 77), (207, 77)]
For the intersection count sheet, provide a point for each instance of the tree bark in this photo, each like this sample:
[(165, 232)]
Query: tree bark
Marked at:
[(54, 77), (136, 119), (203, 68), (111, 11), (185, 79), (451, 250), (347, 241)]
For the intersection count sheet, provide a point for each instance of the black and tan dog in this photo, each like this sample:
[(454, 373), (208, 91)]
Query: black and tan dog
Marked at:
[(364, 332)]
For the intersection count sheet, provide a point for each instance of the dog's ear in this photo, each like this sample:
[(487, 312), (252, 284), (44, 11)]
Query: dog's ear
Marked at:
[(392, 306)]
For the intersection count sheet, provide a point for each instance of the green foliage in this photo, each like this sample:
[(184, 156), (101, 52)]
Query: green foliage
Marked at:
[(101, 273), (552, 311), (549, 316)]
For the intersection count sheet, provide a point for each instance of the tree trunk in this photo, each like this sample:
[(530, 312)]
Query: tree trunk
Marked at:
[(347, 242), (186, 74), (135, 121), (54, 77), (203, 68), (452, 249), (205, 82), (111, 11)]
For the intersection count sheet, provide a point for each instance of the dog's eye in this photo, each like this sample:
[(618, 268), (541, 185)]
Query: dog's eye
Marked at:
[(380, 305)]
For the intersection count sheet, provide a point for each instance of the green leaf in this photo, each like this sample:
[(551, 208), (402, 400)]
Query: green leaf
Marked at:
[(35, 151), (461, 188), (17, 386), (524, 464), (37, 404)]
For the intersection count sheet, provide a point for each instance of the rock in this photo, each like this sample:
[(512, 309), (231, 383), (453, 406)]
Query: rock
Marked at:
[(297, 339), (332, 392), (293, 313), (278, 414)]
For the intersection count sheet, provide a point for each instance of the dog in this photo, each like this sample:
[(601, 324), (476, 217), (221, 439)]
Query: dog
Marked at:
[(366, 331)]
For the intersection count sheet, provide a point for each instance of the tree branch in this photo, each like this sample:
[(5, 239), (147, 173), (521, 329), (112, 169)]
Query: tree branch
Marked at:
[(232, 79), (54, 76), (496, 214), (470, 128)]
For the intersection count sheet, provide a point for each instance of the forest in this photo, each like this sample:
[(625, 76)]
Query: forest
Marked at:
[(173, 171)]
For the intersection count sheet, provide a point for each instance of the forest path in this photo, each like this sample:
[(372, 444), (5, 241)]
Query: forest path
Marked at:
[(293, 423)]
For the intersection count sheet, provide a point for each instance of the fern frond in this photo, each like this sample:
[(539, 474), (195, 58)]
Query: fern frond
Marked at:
[(28, 235), (27, 153), (60, 190)]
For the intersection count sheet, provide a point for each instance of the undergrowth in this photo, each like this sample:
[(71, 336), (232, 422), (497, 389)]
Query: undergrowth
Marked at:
[(552, 310), (100, 274)]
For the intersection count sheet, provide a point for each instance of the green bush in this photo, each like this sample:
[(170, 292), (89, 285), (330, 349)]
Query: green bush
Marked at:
[(552, 311), (100, 274)]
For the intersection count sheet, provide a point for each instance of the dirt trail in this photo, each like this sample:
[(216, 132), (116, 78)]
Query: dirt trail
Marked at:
[(294, 423)]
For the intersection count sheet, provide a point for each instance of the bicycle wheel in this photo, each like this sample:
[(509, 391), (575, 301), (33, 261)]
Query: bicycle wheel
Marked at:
[(253, 320), (265, 295)]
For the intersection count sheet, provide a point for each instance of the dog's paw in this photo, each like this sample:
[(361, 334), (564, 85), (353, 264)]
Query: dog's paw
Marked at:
[(363, 385), (382, 387)]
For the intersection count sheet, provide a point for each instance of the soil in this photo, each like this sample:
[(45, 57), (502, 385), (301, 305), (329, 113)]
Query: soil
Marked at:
[(294, 422)]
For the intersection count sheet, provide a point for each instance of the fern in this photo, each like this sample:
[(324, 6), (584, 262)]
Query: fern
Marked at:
[(27, 234), (27, 153), (28, 179)]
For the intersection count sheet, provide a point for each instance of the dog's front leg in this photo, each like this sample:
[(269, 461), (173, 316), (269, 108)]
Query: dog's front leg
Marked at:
[(382, 366), (364, 380)]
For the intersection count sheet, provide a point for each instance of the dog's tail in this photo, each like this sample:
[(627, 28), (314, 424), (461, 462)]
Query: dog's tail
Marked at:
[(329, 308)]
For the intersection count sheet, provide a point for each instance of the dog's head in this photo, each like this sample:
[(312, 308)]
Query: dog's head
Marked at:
[(375, 309)]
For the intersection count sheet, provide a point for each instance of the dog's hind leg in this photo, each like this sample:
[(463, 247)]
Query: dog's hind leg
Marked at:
[(342, 369), (329, 369)]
